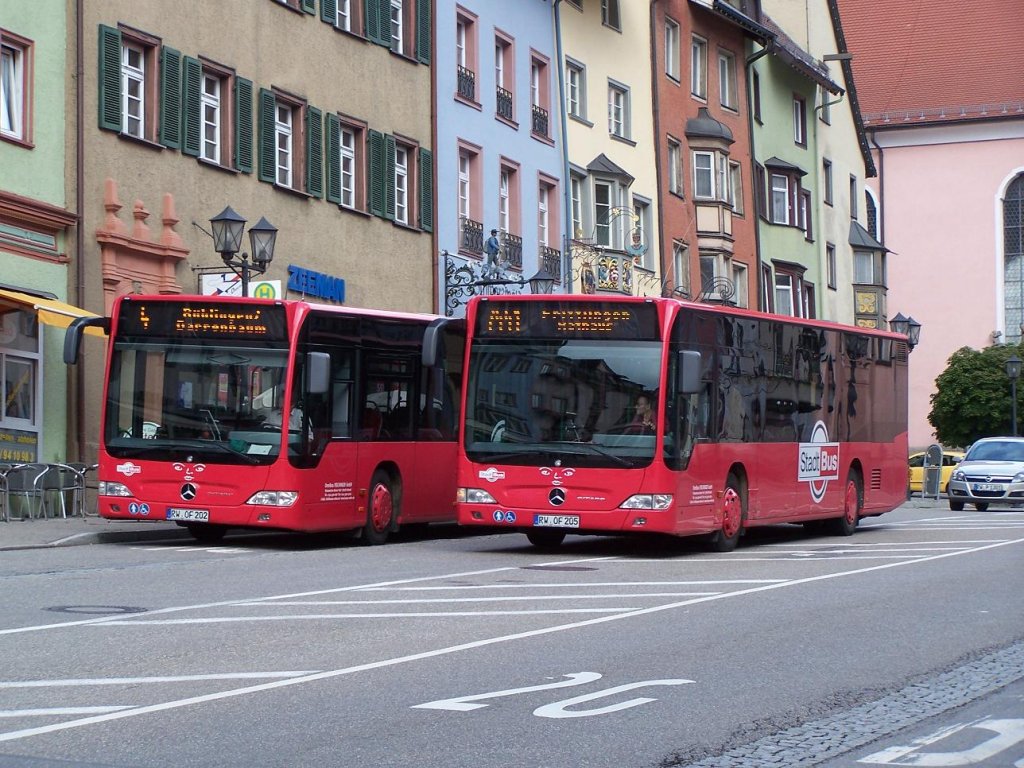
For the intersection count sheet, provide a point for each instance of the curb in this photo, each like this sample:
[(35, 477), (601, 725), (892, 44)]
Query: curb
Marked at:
[(101, 537)]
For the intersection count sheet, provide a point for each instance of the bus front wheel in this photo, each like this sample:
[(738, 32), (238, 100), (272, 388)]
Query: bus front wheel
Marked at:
[(206, 533), (380, 510), (545, 538), (727, 537)]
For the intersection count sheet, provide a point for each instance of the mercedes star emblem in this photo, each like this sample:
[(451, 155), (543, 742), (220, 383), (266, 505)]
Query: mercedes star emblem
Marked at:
[(188, 491), (556, 497)]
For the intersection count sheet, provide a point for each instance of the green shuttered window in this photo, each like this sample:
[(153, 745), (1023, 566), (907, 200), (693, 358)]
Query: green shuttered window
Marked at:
[(110, 78), (170, 97)]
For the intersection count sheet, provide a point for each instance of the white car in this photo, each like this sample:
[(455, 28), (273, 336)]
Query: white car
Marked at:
[(992, 471)]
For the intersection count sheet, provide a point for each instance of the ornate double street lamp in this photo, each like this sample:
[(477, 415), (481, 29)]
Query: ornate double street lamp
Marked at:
[(227, 241), (907, 326), (1013, 364)]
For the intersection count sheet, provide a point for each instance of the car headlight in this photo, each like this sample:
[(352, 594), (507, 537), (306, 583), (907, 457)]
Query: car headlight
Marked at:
[(273, 498), (959, 476), (1019, 477), (648, 501), (107, 488), (473, 496)]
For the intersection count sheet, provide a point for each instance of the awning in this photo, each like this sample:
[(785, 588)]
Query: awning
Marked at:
[(50, 311)]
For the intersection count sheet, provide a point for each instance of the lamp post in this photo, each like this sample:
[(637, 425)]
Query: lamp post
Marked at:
[(227, 241), (907, 326), (1013, 364)]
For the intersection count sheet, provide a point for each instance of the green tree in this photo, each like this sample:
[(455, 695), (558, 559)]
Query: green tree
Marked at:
[(972, 396)]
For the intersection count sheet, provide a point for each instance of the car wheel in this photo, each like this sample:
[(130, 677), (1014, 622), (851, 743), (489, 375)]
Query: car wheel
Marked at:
[(981, 506), (956, 506)]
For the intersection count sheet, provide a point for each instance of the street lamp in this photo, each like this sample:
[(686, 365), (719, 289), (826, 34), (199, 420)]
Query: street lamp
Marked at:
[(227, 241), (1013, 364), (907, 326), (542, 282)]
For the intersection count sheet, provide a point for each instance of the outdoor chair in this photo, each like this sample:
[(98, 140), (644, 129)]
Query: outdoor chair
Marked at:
[(60, 482), (24, 481), (81, 501)]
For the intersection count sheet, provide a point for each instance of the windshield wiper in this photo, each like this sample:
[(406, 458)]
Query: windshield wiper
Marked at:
[(593, 449), (157, 446)]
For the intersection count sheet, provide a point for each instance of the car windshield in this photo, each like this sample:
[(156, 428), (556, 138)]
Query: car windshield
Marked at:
[(997, 450)]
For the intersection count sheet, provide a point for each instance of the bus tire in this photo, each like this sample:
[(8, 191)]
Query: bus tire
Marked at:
[(545, 538), (380, 510), (853, 502), (733, 514), (206, 533)]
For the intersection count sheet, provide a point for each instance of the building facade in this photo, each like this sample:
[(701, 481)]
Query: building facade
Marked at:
[(499, 153), (37, 227)]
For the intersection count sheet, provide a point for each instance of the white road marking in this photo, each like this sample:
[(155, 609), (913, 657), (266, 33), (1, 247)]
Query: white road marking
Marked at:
[(575, 585), (468, 646), (503, 599), (90, 681), (61, 711), (327, 616)]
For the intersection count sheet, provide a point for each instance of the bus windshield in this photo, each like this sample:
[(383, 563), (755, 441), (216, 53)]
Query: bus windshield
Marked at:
[(585, 402), (217, 401)]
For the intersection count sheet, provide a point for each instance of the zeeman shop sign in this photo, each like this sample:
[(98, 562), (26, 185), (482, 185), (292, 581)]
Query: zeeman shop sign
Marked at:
[(317, 284)]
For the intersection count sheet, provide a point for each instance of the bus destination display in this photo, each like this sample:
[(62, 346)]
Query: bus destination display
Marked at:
[(567, 320), (236, 321)]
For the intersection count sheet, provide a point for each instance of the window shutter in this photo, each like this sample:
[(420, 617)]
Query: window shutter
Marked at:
[(375, 18), (389, 176), (309, 6), (110, 79), (376, 175), (329, 11), (315, 151), (423, 31), (243, 125), (191, 106), (170, 97), (426, 190), (266, 121), (333, 159)]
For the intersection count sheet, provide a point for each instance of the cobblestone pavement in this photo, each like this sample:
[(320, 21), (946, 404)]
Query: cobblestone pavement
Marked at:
[(820, 740)]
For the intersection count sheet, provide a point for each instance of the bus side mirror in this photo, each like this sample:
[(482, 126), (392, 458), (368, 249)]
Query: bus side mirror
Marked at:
[(689, 372), (432, 352), (318, 373), (73, 336)]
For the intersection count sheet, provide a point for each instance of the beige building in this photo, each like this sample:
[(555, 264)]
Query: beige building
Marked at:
[(613, 180), (314, 116)]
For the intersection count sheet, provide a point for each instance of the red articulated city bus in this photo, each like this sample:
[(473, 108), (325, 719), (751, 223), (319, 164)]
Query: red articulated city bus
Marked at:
[(224, 412), (596, 415)]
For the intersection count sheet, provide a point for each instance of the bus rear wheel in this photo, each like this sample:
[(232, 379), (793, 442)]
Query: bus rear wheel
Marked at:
[(380, 510), (545, 538), (727, 537), (852, 503)]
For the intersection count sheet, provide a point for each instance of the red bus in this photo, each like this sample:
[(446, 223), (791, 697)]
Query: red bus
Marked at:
[(223, 412), (586, 414)]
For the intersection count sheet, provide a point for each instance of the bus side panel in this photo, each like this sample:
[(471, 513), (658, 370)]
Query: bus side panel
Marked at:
[(328, 492)]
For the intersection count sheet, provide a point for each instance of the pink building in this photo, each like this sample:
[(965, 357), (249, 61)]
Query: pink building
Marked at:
[(941, 87)]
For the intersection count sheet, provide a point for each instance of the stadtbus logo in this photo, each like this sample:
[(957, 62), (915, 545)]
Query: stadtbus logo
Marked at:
[(818, 462)]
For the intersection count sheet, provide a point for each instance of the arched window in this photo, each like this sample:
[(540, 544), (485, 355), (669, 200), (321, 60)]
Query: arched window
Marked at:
[(1013, 259)]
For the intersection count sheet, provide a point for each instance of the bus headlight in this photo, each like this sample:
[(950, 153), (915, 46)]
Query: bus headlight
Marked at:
[(473, 496), (107, 488), (274, 498), (659, 501)]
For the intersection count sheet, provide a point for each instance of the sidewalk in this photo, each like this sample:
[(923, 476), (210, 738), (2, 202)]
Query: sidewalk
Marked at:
[(75, 531)]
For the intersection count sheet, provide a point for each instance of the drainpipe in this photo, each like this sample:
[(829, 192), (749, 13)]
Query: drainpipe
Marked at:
[(880, 220), (435, 282), (748, 63), (662, 269), (566, 178), (80, 210)]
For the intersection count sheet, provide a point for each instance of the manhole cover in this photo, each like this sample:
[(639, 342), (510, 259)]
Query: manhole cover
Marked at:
[(556, 568), (96, 610)]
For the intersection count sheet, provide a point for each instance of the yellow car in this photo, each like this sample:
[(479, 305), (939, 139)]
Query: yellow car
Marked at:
[(916, 473)]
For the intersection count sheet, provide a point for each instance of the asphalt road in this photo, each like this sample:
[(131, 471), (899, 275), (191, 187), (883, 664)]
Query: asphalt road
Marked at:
[(476, 650)]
